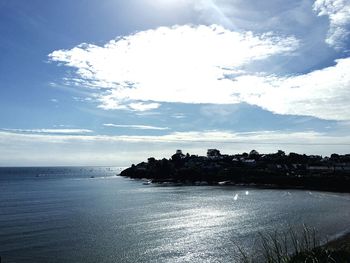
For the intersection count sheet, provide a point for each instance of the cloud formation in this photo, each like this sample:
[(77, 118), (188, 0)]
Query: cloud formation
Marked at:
[(321, 93), (50, 131), (338, 12), (211, 136), (207, 64), (186, 64), (138, 127), (58, 149)]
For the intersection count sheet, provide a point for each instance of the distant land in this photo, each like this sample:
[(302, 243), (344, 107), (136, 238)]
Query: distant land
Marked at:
[(274, 170)]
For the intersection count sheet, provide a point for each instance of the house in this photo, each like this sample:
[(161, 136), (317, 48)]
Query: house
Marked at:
[(213, 154)]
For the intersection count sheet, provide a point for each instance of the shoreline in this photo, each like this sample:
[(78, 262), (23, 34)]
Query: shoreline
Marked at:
[(170, 182), (341, 242), (276, 171)]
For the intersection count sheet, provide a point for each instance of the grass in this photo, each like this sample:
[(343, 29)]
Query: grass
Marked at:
[(293, 247)]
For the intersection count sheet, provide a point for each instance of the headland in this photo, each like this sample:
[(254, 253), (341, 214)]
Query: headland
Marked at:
[(273, 170)]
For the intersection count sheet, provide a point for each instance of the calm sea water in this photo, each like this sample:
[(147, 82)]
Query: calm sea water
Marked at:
[(64, 215)]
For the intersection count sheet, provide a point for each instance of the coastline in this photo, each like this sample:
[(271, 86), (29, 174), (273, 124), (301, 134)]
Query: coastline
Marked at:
[(276, 171), (170, 182), (341, 242)]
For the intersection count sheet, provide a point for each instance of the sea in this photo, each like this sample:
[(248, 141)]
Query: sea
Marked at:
[(89, 214)]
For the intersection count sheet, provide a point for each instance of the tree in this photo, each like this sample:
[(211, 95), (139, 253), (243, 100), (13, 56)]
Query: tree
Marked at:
[(253, 153), (281, 153)]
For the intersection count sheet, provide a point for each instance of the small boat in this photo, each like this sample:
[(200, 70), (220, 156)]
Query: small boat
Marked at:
[(224, 183), (147, 182)]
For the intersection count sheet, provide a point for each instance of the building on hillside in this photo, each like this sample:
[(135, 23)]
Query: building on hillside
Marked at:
[(213, 154)]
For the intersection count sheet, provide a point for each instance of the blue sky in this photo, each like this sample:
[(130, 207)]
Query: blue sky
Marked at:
[(113, 82)]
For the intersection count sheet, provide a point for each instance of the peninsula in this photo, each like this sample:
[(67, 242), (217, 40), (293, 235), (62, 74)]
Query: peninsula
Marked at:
[(278, 169)]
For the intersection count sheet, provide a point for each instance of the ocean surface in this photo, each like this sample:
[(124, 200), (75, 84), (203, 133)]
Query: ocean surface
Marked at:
[(88, 214)]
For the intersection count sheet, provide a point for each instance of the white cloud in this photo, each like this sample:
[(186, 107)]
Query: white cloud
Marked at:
[(259, 137), (139, 106), (179, 116), (322, 93), (186, 64), (50, 131), (338, 12), (207, 64), (139, 127)]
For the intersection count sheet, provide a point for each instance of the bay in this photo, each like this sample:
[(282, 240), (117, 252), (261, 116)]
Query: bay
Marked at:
[(88, 214)]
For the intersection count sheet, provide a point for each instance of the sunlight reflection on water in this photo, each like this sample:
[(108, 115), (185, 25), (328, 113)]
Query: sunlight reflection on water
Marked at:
[(104, 220)]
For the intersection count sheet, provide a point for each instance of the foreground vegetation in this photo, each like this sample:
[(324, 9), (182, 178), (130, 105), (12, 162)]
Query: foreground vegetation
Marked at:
[(289, 247)]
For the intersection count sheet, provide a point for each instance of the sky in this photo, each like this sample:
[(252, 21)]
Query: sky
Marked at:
[(112, 82)]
